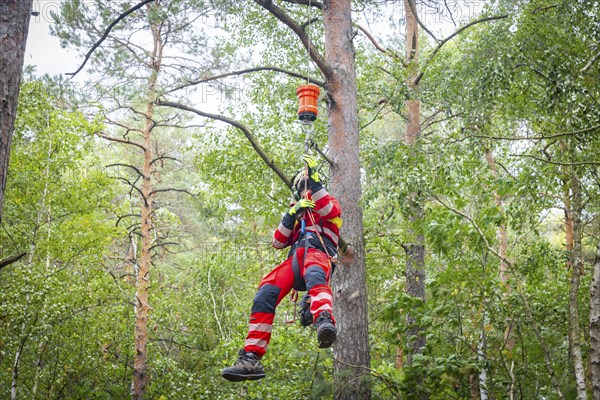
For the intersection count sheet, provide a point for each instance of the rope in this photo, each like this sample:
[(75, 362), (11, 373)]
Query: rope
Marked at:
[(308, 38)]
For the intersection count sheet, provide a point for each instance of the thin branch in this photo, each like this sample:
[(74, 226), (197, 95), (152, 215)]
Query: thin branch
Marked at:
[(430, 121), (545, 8), (124, 141), (329, 160), (537, 71), (122, 125), (133, 187), (247, 71), (378, 46), (249, 135), (314, 4), (546, 350), (136, 169), (278, 13), (107, 32), (310, 22), (172, 190), (554, 136), (591, 63), (443, 42), (411, 4), (555, 162), (477, 228), (127, 216), (165, 158), (164, 244), (449, 12)]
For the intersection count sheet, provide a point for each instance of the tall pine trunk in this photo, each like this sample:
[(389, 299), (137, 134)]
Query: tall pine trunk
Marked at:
[(145, 263), (351, 351), (14, 27), (415, 248)]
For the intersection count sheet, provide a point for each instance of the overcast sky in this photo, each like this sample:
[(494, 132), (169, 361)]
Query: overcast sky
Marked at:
[(43, 49)]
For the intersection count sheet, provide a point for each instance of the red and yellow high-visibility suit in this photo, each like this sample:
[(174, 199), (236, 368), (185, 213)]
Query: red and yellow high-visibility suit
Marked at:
[(307, 267)]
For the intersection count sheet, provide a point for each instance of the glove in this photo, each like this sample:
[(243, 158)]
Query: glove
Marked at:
[(312, 163), (301, 205)]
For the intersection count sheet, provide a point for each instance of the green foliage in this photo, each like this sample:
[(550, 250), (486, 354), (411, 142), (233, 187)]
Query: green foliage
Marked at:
[(53, 304), (68, 306)]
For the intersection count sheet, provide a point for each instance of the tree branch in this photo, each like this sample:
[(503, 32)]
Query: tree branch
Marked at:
[(10, 260), (569, 164), (165, 158), (554, 136), (460, 30), (591, 63), (411, 4), (249, 135), (378, 46), (311, 3), (124, 141), (107, 32), (329, 160), (126, 216), (136, 169), (477, 228), (172, 190), (246, 71), (278, 13), (163, 244), (309, 22), (133, 187)]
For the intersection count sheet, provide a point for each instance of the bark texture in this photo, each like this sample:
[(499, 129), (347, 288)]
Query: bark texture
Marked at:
[(14, 27), (351, 351), (415, 249), (595, 327)]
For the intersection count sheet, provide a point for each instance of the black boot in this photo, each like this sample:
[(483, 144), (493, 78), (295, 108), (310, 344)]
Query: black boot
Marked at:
[(306, 318), (246, 368), (326, 332)]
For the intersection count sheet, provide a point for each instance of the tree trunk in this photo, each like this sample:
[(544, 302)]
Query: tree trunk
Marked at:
[(14, 27), (504, 272), (481, 355), (474, 386), (145, 264), (576, 261), (351, 351), (415, 250), (595, 326)]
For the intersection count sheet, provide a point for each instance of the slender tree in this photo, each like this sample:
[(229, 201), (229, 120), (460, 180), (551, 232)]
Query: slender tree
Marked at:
[(415, 248)]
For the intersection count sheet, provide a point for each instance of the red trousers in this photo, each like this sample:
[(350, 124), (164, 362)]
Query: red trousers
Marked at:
[(311, 270)]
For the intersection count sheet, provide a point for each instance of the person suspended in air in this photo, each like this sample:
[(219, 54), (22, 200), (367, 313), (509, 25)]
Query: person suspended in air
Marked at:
[(311, 229)]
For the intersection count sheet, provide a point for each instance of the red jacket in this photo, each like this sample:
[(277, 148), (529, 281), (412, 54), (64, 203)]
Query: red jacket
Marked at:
[(326, 214)]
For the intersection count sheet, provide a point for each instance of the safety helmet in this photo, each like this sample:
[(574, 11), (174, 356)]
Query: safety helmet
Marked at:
[(300, 183)]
